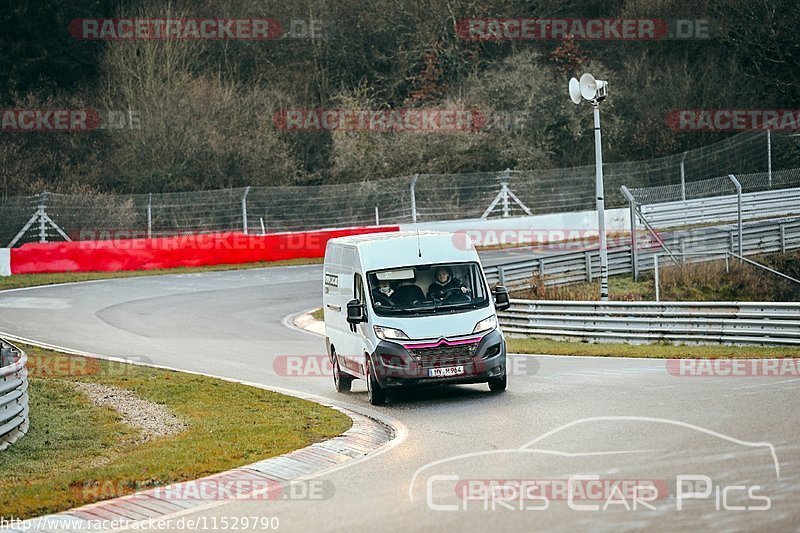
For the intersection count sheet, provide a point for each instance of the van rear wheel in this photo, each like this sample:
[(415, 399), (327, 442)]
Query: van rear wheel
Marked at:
[(375, 394), (341, 381)]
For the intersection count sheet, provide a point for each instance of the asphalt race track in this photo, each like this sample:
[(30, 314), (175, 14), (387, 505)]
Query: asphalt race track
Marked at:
[(561, 417)]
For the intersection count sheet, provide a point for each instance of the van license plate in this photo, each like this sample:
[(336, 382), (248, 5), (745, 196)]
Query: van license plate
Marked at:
[(445, 372)]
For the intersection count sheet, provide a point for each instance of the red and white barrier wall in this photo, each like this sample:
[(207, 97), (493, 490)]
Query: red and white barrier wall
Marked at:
[(170, 252)]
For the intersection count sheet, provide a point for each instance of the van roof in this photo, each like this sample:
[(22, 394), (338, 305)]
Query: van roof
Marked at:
[(388, 235), (403, 248)]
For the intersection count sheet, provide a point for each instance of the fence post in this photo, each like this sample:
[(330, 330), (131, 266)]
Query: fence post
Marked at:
[(739, 211), (414, 198), (244, 209), (634, 247), (683, 177), (150, 215), (769, 158), (504, 191), (42, 212)]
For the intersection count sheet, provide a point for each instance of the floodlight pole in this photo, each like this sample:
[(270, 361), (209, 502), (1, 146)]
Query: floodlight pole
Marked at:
[(601, 215)]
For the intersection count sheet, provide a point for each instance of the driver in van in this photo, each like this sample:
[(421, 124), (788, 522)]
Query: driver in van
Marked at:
[(445, 283), (382, 295)]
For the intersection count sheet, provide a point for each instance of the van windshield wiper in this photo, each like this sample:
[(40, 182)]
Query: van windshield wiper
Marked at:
[(454, 305)]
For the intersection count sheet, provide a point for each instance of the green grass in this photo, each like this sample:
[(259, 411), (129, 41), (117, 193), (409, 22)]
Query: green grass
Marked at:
[(656, 351), (318, 314), (33, 280), (77, 452)]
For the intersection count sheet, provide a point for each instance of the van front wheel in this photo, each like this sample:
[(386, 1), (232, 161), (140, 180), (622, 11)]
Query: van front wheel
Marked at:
[(498, 384), (341, 380), (375, 394)]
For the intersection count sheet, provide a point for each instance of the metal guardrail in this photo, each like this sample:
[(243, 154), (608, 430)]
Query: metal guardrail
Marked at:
[(759, 323), (584, 265), (14, 409), (716, 209)]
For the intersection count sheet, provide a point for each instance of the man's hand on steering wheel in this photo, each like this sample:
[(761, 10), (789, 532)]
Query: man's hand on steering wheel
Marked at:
[(462, 290)]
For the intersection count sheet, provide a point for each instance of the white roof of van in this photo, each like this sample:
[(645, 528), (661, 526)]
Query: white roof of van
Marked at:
[(402, 248)]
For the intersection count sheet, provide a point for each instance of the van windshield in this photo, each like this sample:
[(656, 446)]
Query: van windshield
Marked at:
[(427, 289)]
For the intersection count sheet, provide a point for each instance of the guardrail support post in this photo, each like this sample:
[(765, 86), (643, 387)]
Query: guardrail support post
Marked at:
[(501, 275), (377, 217), (244, 209), (739, 211), (588, 258), (783, 238), (414, 198)]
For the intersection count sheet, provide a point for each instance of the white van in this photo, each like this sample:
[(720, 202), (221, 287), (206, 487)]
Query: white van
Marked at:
[(411, 308)]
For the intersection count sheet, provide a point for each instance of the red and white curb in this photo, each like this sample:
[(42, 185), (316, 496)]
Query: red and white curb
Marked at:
[(371, 434)]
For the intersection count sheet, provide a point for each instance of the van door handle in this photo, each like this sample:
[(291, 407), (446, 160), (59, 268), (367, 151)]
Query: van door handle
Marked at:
[(336, 308)]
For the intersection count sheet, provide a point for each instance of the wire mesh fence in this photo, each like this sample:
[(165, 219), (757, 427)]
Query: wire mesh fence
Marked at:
[(761, 160)]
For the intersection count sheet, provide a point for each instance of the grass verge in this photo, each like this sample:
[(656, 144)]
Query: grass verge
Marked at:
[(707, 281), (77, 452), (33, 280), (533, 345)]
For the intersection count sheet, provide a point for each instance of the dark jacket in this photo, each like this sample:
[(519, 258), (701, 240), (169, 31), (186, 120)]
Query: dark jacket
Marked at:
[(437, 290)]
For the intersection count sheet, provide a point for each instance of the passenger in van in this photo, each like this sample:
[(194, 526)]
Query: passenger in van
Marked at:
[(445, 284), (382, 295)]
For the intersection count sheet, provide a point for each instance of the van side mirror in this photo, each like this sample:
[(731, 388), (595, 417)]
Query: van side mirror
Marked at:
[(355, 312), (501, 299)]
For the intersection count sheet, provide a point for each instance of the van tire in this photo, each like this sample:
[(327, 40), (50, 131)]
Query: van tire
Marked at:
[(498, 384), (341, 381), (375, 394)]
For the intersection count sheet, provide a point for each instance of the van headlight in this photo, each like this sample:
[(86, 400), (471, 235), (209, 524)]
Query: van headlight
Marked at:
[(487, 324), (389, 334)]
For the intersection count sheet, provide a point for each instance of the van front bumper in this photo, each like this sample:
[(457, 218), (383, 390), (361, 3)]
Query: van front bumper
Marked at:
[(451, 361)]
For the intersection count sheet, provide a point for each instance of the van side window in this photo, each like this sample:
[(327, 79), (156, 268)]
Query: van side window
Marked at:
[(358, 290)]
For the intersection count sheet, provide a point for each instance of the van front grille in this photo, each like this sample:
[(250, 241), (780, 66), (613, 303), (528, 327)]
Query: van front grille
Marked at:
[(445, 355)]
